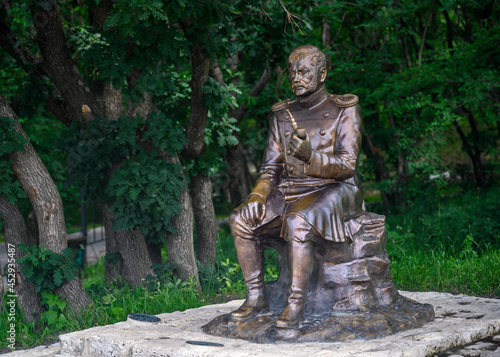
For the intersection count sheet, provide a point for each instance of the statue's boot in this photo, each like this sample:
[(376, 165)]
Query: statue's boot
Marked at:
[(251, 259), (302, 260)]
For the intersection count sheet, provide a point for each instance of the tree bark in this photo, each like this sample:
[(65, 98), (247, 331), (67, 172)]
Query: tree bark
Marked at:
[(237, 170), (180, 246), (58, 63), (47, 205), (15, 233), (204, 213), (198, 116), (113, 268)]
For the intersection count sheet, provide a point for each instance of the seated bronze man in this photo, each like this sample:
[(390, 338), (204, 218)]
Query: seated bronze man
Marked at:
[(308, 187)]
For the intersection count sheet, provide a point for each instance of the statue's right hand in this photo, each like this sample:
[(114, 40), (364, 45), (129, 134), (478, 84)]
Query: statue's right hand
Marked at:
[(254, 210)]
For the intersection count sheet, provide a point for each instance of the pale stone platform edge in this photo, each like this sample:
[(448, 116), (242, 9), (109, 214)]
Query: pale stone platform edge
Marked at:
[(459, 320)]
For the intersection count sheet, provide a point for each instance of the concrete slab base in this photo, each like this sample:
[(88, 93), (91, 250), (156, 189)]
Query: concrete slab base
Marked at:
[(460, 320)]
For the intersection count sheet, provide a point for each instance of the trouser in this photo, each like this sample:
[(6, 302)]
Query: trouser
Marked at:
[(300, 236)]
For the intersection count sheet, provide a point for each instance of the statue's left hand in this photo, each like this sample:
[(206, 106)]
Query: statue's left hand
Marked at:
[(300, 148)]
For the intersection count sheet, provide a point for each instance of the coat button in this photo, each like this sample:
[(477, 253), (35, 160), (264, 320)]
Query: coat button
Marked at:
[(322, 132), (326, 114), (287, 133), (288, 152), (290, 169)]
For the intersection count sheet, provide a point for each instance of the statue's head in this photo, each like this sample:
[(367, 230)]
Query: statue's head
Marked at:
[(306, 69)]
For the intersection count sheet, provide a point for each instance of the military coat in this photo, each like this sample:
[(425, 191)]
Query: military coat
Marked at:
[(325, 191)]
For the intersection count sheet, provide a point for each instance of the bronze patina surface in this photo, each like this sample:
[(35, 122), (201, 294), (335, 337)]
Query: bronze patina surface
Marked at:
[(308, 204)]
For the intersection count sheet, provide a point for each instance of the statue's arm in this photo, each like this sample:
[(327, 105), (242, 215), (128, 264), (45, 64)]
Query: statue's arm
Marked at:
[(272, 166), (343, 163)]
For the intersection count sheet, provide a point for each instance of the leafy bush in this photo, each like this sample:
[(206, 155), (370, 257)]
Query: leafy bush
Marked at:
[(45, 269)]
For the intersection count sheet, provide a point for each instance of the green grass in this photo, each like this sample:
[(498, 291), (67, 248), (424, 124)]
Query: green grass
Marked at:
[(438, 271)]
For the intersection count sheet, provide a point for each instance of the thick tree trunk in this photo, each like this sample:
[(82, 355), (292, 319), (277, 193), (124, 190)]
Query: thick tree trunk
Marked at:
[(204, 214), (180, 248), (58, 63), (136, 260), (133, 261), (46, 203), (15, 233), (113, 268)]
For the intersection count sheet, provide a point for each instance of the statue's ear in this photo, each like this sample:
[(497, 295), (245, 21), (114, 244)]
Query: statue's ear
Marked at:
[(323, 73)]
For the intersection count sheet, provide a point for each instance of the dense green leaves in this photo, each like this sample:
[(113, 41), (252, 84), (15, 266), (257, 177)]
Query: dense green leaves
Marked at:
[(45, 269), (145, 194)]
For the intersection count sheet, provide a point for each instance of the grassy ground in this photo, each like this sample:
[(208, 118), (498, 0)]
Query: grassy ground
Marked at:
[(448, 244)]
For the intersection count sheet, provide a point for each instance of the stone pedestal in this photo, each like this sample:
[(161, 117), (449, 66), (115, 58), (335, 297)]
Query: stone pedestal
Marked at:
[(350, 294)]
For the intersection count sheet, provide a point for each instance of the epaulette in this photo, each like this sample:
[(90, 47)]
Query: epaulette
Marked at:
[(345, 100), (282, 105)]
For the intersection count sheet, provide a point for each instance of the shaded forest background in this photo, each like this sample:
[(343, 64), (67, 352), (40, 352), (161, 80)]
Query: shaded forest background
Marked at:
[(158, 111)]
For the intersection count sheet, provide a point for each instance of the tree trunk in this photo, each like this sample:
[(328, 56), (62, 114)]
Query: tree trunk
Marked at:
[(58, 63), (15, 233), (180, 248), (475, 156), (113, 268), (136, 260), (47, 205), (133, 261), (204, 214), (198, 116), (237, 169)]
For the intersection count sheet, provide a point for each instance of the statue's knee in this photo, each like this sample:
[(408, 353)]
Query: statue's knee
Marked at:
[(297, 229), (238, 225)]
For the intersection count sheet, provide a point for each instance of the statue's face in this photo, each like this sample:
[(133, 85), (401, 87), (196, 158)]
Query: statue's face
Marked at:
[(305, 78)]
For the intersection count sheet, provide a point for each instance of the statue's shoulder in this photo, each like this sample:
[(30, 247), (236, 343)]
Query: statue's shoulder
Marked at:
[(282, 105), (344, 100)]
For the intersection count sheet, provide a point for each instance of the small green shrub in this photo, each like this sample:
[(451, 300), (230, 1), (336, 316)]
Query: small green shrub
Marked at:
[(45, 269)]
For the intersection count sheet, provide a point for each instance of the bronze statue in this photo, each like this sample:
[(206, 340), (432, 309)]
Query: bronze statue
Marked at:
[(308, 205), (308, 183)]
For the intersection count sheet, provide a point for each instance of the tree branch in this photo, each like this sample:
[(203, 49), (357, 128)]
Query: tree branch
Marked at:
[(423, 35)]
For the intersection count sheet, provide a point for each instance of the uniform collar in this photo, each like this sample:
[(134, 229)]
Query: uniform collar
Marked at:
[(314, 99)]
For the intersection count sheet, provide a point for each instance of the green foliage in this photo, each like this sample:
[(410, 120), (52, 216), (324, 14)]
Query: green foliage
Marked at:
[(456, 225), (435, 270), (143, 190), (145, 195), (163, 274), (10, 141), (45, 269), (53, 315)]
